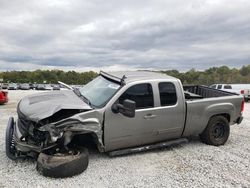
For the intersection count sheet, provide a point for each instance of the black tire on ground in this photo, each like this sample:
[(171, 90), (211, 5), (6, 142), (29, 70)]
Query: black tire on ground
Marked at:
[(216, 132), (63, 165), (9, 140)]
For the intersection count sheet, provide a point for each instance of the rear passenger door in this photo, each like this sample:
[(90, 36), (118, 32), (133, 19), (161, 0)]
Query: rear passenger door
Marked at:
[(170, 115)]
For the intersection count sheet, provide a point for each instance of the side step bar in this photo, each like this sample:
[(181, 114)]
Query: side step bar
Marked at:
[(147, 147)]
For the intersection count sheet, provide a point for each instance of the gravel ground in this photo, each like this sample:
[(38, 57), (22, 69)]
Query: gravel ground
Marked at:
[(188, 165)]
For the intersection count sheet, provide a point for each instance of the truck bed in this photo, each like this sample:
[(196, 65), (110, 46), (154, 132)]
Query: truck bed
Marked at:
[(194, 92), (203, 102)]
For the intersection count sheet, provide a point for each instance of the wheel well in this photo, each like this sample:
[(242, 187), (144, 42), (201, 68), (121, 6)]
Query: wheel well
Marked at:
[(88, 140), (227, 116)]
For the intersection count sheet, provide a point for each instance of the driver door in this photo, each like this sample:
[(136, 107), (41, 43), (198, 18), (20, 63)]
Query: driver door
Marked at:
[(123, 132)]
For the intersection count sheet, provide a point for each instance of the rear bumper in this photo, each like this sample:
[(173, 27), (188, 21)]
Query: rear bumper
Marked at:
[(2, 101), (239, 120)]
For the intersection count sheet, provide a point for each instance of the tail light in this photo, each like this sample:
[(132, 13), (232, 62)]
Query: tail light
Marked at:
[(242, 92), (242, 106)]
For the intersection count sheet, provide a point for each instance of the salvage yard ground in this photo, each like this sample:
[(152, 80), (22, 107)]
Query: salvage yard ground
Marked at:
[(187, 165)]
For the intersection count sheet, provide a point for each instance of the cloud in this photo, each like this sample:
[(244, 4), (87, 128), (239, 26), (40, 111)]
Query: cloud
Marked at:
[(84, 35)]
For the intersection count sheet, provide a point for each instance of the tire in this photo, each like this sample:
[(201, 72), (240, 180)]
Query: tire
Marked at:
[(63, 165), (216, 132), (9, 140)]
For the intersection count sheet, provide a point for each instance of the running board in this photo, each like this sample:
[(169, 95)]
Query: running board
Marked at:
[(147, 147)]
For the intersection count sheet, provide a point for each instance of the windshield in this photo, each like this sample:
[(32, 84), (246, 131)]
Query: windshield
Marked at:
[(99, 91)]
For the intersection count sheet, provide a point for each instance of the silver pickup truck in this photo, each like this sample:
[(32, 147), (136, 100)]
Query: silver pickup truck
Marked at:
[(121, 113)]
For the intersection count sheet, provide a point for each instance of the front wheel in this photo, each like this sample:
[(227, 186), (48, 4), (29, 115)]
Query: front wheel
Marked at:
[(61, 165), (9, 140), (216, 132)]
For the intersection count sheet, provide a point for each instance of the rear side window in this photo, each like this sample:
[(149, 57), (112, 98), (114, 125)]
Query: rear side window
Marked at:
[(227, 87), (219, 87), (167, 94), (142, 94)]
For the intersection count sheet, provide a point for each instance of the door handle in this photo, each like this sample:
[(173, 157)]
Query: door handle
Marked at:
[(149, 116)]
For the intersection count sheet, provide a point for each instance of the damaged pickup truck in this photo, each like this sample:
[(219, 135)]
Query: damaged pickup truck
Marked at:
[(121, 112)]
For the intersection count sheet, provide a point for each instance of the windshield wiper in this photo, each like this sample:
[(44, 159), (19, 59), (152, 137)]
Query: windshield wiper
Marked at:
[(85, 99), (77, 92)]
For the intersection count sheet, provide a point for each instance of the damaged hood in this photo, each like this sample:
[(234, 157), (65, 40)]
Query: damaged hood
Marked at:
[(42, 105)]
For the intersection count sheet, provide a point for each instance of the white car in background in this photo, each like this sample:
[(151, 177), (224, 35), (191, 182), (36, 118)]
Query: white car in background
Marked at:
[(243, 89)]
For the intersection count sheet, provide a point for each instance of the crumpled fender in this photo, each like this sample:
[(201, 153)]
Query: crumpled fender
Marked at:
[(75, 125)]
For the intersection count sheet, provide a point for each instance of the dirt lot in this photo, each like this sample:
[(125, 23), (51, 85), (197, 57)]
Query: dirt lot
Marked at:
[(189, 165)]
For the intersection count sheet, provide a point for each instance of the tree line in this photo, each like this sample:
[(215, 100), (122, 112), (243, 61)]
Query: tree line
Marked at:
[(209, 76), (47, 76), (213, 75)]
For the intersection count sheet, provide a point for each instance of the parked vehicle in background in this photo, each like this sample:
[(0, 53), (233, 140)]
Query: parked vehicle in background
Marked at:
[(4, 86), (40, 87), (121, 112), (32, 86), (3, 96), (56, 87), (12, 86), (18, 86), (24, 86), (48, 87), (242, 89)]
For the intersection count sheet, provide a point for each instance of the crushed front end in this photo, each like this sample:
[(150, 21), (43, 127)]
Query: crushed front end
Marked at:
[(27, 138), (46, 125)]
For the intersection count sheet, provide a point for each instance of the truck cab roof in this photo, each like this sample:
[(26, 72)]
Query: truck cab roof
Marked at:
[(133, 76)]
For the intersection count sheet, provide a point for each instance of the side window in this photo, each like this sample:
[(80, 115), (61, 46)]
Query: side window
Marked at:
[(213, 86), (167, 93), (227, 87), (142, 94), (219, 87)]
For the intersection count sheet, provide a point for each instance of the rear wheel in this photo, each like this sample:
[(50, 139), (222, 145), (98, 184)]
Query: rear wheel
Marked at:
[(9, 140), (216, 132)]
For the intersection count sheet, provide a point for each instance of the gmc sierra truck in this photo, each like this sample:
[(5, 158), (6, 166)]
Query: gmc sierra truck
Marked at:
[(121, 112)]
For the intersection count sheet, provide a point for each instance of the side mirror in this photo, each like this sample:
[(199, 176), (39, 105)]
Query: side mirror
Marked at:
[(127, 108)]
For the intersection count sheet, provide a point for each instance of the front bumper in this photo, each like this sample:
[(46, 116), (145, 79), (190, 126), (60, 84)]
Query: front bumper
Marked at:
[(23, 146)]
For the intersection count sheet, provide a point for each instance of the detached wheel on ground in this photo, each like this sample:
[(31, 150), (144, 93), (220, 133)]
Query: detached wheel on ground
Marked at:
[(9, 140), (61, 165), (216, 132)]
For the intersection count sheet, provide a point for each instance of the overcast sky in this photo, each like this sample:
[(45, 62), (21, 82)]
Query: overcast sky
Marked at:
[(117, 35)]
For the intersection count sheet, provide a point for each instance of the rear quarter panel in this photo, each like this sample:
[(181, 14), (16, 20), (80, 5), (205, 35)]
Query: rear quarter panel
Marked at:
[(200, 111)]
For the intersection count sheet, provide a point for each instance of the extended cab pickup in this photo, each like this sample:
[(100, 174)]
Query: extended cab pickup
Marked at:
[(242, 89), (121, 112)]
